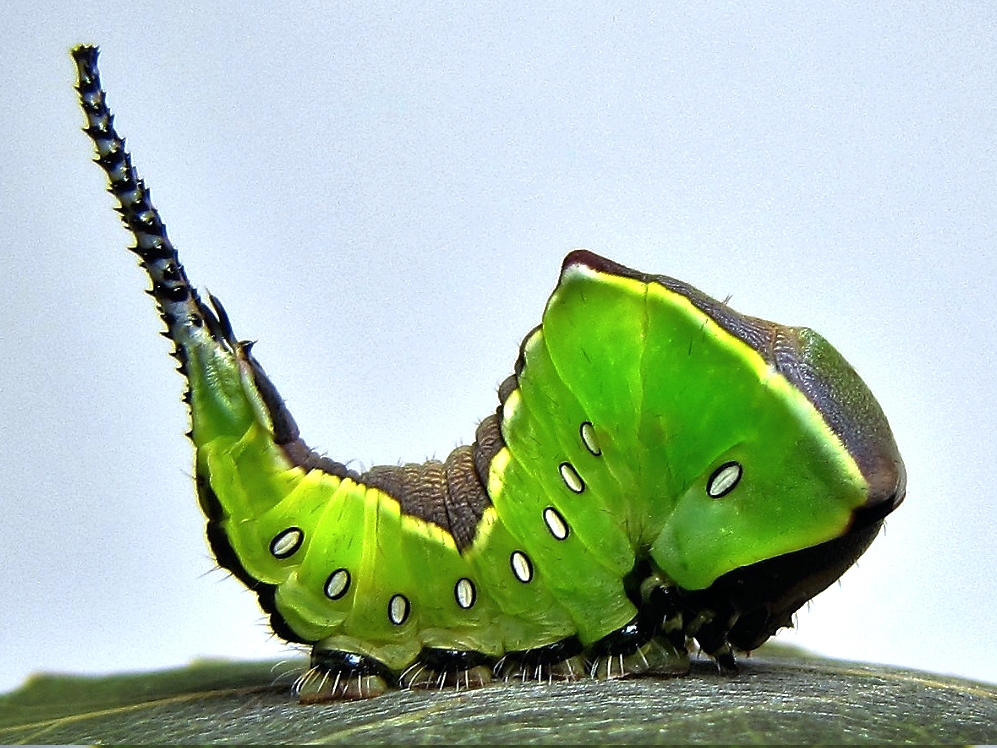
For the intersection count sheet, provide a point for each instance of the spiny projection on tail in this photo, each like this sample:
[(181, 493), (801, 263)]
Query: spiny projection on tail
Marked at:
[(196, 329), (661, 471)]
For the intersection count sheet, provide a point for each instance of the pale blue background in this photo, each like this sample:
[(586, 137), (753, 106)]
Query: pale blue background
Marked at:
[(382, 196)]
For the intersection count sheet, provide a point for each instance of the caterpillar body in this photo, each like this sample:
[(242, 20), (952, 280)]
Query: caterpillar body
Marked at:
[(661, 471)]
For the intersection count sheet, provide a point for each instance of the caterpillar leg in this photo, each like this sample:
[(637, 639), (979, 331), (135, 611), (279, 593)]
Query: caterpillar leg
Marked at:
[(448, 668), (639, 648), (708, 627), (341, 676), (560, 661), (710, 630)]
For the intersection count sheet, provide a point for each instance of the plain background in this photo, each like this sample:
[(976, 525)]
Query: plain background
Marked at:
[(382, 195)]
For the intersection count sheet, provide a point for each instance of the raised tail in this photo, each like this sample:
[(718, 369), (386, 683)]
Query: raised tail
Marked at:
[(178, 302), (227, 388), (194, 327), (243, 435)]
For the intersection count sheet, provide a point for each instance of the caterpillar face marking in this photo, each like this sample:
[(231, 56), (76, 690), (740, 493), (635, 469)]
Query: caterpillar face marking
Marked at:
[(660, 471), (724, 480)]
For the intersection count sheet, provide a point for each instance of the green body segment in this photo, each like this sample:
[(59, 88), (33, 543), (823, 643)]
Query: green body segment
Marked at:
[(347, 525), (610, 426), (681, 396)]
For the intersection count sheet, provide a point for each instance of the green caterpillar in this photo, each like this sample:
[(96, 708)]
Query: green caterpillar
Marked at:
[(660, 470)]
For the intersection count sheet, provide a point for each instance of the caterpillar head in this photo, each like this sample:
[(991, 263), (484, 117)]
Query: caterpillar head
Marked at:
[(767, 464), (776, 539)]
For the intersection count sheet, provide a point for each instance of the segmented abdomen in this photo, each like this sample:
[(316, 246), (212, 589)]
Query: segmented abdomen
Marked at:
[(441, 555)]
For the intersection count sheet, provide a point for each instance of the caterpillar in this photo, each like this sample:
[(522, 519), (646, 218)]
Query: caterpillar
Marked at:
[(661, 473)]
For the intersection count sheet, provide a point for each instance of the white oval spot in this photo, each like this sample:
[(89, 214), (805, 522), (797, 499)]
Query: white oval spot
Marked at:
[(287, 542), (587, 432), (337, 584), (398, 609), (521, 566), (555, 523), (571, 477), (723, 480), (464, 592)]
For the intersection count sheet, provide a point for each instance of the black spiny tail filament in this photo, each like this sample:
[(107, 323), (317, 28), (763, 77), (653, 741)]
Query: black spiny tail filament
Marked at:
[(178, 302)]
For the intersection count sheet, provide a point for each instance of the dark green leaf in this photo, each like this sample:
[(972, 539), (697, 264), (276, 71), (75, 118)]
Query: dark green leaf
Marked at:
[(777, 698)]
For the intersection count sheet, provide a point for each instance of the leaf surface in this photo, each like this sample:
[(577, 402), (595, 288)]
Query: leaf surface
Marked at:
[(777, 698)]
